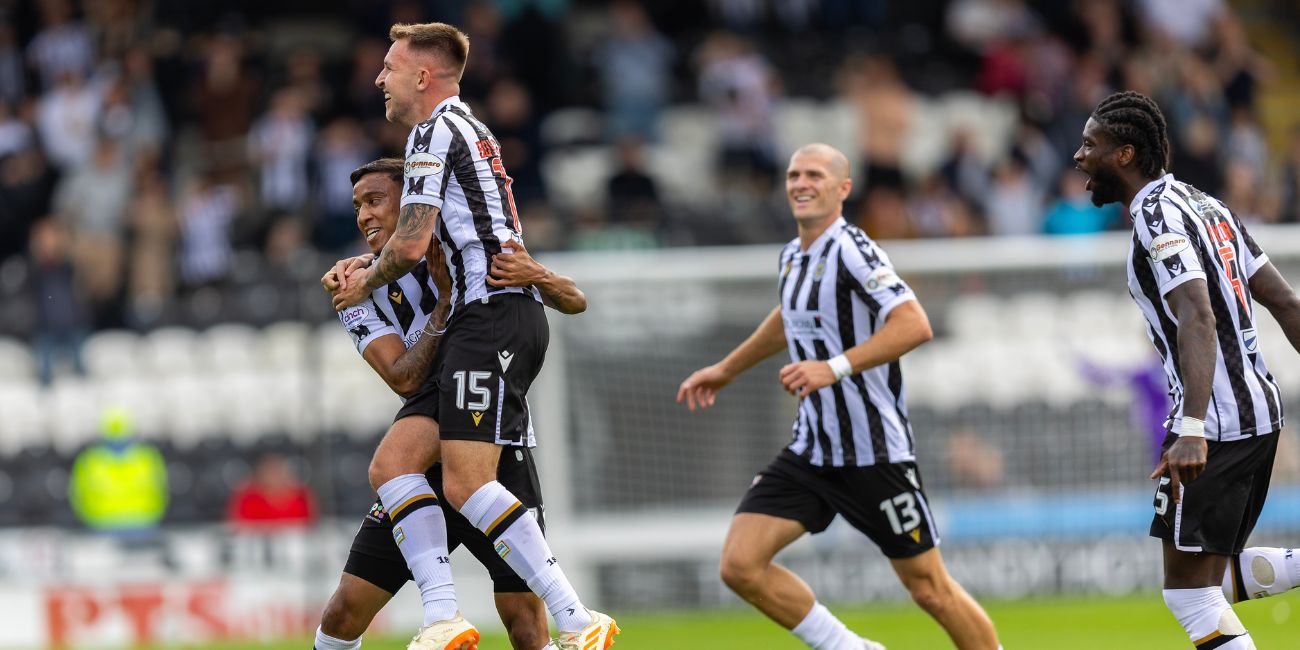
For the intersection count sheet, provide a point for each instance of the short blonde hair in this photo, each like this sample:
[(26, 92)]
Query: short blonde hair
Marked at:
[(440, 39)]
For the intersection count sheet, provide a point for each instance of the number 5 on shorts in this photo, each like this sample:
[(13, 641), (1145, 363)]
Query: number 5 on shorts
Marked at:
[(1162, 499), (474, 386)]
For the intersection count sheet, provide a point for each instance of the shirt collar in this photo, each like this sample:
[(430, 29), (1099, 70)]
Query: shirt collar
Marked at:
[(447, 103), (831, 231), (1136, 203)]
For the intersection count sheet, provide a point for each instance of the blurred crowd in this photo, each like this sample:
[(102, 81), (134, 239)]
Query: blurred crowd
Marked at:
[(184, 163)]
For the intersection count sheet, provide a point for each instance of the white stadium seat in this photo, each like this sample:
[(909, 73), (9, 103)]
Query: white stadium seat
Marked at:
[(16, 359), (112, 353), (285, 345), (25, 416), (229, 348), (170, 351)]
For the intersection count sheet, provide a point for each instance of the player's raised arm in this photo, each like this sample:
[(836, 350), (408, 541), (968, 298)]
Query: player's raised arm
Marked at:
[(1270, 289), (906, 327), (701, 388), (515, 267)]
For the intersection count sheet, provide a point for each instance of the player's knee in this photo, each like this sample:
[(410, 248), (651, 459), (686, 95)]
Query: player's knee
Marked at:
[(340, 622), (930, 596), (739, 574), (457, 490)]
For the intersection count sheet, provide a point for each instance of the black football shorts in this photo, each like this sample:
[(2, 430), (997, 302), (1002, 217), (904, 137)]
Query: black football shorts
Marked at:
[(375, 558), (1219, 509), (885, 502), (485, 364)]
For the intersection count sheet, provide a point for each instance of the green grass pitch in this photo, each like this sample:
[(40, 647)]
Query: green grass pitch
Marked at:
[(1055, 624)]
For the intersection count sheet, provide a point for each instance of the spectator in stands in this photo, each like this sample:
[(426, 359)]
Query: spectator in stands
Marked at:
[(92, 202), (66, 116), (633, 194), (13, 81), (1072, 212), (635, 64), (886, 106), (62, 321), (151, 260), (341, 148), (223, 100), (63, 46), (1013, 203), (119, 484), (509, 108), (273, 498), (739, 84), (26, 184), (206, 215), (278, 147)]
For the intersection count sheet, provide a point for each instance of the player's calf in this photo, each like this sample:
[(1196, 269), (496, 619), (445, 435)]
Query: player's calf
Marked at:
[(1208, 619)]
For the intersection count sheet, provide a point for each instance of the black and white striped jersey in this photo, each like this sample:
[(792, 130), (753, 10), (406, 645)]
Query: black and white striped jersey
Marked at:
[(1181, 234), (454, 164), (403, 308), (834, 296)]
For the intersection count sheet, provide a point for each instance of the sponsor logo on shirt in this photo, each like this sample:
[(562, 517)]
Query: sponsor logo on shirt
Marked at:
[(422, 164), (882, 277), (1168, 245), (353, 317)]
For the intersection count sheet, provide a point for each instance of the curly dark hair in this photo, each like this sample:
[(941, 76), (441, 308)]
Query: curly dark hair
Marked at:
[(1133, 118)]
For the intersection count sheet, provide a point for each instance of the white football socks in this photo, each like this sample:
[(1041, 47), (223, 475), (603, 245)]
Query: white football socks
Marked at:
[(326, 642), (1206, 616), (420, 531), (518, 539), (1260, 572), (820, 630)]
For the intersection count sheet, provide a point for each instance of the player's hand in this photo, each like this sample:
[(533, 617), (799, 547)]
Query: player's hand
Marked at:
[(514, 267), (805, 377), (700, 390), (337, 278), (354, 291), (1185, 461), (436, 260)]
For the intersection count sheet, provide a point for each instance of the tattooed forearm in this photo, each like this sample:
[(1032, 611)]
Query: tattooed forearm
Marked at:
[(414, 365), (413, 221), (413, 232)]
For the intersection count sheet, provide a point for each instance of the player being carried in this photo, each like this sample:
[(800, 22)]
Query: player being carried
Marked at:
[(1196, 274), (845, 317), (490, 355), (397, 331)]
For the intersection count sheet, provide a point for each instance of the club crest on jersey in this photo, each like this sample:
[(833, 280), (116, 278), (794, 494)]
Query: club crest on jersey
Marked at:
[(882, 277), (353, 317), (1168, 245), (421, 164), (1250, 339), (819, 270)]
